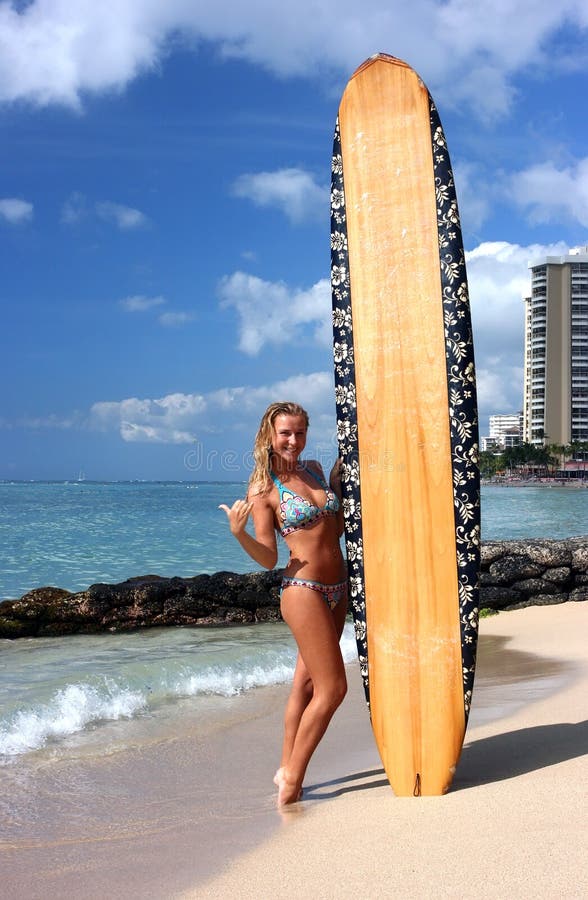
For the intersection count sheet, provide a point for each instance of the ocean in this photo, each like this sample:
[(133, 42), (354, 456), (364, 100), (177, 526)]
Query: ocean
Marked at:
[(82, 694)]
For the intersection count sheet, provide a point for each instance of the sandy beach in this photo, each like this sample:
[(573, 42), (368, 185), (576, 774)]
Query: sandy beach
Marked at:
[(193, 814), (514, 823)]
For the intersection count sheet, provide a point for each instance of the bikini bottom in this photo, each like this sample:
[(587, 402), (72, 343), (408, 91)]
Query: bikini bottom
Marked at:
[(332, 594)]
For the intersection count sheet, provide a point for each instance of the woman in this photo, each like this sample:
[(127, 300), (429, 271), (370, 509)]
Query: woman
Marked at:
[(292, 497)]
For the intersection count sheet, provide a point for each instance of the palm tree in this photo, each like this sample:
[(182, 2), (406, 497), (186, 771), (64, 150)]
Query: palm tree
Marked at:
[(542, 459), (558, 450), (489, 463)]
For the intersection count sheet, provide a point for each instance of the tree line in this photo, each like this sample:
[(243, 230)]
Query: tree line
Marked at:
[(528, 460)]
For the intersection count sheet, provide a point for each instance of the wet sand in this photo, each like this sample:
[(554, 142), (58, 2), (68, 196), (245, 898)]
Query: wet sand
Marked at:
[(195, 813)]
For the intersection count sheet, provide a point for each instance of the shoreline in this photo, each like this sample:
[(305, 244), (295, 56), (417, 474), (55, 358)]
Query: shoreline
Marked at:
[(177, 817), (511, 825), (538, 482)]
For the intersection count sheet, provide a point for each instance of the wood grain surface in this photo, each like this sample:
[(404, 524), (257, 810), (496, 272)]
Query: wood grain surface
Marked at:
[(412, 607)]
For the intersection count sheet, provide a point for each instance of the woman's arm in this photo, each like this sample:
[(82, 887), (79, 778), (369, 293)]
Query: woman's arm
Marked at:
[(335, 485), (335, 479), (263, 547)]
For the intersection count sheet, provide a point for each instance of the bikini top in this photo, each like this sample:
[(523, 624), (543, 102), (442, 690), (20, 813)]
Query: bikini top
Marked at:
[(297, 512)]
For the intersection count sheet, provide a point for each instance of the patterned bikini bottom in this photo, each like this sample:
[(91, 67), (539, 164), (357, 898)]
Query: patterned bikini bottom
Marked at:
[(332, 594)]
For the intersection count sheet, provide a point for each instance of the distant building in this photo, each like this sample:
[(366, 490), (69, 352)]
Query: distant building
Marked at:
[(507, 430), (556, 350), (489, 444)]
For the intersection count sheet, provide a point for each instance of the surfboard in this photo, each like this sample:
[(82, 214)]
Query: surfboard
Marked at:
[(405, 394)]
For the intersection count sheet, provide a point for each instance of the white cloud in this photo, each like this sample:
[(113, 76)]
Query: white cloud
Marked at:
[(273, 313), (169, 419), (76, 208), (313, 390), (15, 211), (183, 418), (499, 390), (550, 194), (140, 303), (148, 434), (53, 51), (293, 191), (124, 217)]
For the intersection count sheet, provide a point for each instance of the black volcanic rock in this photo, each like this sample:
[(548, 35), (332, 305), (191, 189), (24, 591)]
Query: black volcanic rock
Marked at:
[(514, 574)]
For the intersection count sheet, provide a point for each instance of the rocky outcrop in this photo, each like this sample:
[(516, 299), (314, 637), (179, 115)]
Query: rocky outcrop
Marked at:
[(533, 573), (514, 574), (149, 601)]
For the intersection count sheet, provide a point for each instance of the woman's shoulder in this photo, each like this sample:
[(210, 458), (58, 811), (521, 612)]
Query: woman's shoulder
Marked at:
[(314, 466)]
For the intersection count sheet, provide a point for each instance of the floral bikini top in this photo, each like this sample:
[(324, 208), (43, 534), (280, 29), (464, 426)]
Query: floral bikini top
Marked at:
[(297, 512)]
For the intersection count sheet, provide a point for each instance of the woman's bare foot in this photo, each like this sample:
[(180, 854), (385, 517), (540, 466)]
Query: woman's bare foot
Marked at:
[(278, 781), (288, 791)]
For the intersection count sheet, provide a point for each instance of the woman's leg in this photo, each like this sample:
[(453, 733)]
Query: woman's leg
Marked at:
[(316, 631), (301, 692), (299, 698)]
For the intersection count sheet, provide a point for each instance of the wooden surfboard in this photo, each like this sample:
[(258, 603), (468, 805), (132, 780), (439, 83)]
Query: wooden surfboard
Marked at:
[(407, 421)]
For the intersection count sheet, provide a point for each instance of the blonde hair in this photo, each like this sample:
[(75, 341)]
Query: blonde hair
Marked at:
[(260, 480)]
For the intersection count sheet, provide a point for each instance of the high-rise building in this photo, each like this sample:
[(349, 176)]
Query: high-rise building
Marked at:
[(556, 350)]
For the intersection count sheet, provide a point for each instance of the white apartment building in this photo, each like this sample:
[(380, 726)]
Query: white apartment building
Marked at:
[(556, 350), (506, 430)]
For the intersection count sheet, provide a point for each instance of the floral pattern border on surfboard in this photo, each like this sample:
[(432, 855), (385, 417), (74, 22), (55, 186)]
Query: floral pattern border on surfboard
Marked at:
[(463, 420)]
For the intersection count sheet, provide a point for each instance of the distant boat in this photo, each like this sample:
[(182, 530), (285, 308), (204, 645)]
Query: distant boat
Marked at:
[(81, 476)]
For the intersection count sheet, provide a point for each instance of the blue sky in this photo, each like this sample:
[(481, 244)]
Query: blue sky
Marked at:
[(164, 227)]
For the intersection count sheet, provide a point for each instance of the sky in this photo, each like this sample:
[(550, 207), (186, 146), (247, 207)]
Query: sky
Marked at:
[(164, 211)]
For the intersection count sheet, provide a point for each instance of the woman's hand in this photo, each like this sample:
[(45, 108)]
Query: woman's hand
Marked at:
[(262, 548), (237, 515)]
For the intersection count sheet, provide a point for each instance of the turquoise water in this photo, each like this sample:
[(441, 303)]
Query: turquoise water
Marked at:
[(56, 691), (525, 512), (75, 534)]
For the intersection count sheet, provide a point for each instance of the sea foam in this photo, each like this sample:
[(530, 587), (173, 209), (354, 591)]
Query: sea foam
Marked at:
[(147, 677), (70, 710)]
